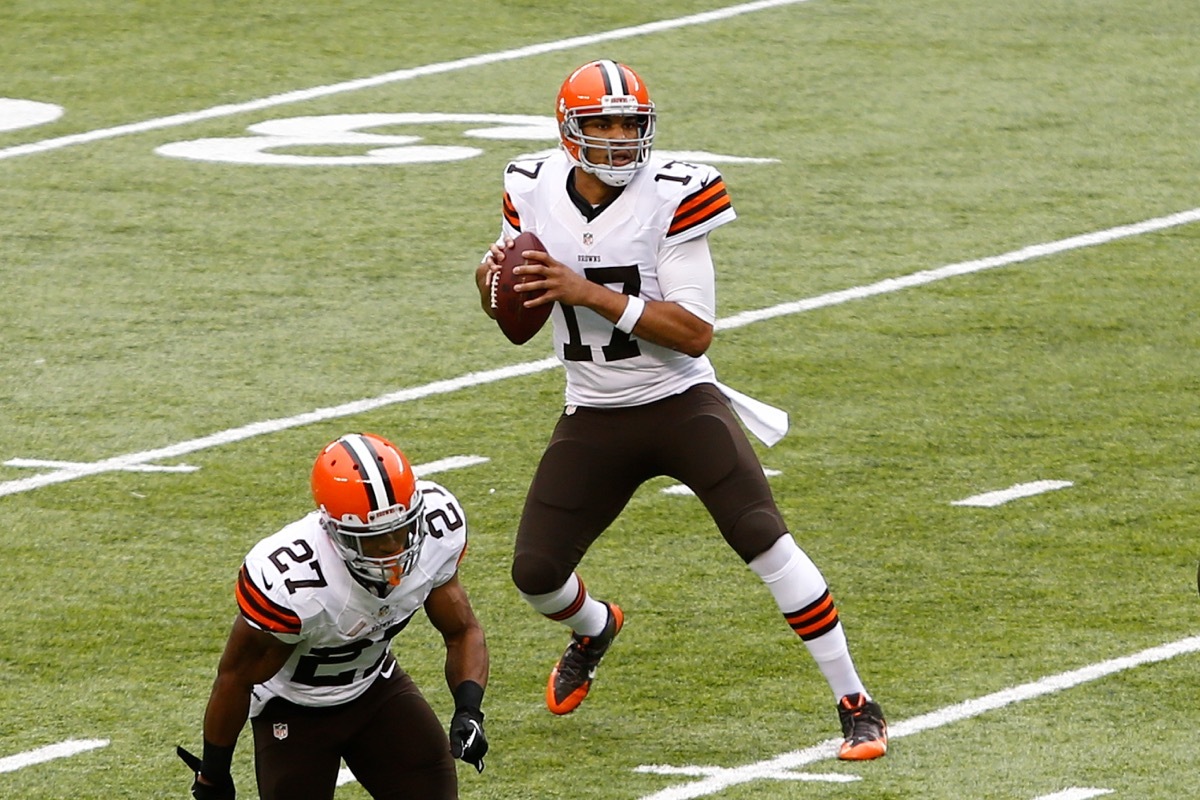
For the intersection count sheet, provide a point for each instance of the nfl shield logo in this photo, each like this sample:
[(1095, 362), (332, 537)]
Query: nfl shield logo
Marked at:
[(587, 240), (280, 730)]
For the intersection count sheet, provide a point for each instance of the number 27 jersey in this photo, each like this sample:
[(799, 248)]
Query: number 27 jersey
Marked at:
[(667, 203), (295, 585)]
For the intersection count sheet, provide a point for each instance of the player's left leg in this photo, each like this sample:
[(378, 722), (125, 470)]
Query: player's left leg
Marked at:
[(717, 461), (399, 750)]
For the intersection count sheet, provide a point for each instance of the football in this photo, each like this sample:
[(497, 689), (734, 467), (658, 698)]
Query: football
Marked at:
[(518, 323)]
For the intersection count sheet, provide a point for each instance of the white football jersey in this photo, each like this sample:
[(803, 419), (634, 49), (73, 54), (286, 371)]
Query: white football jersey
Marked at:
[(295, 585), (666, 204)]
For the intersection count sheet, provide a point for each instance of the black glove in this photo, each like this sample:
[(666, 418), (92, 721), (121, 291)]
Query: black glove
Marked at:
[(466, 736), (221, 787)]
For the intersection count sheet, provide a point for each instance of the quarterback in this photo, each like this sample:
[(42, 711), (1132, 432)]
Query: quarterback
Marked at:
[(628, 266), (308, 660)]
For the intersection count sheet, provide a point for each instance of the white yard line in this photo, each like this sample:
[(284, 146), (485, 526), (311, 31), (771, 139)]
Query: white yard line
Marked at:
[(992, 499), (718, 779), (303, 95), (123, 462), (70, 747)]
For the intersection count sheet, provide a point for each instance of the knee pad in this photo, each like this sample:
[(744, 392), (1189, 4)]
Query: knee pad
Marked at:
[(535, 574), (755, 532)]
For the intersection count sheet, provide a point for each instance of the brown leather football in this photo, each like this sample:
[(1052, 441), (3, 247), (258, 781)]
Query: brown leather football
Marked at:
[(516, 321)]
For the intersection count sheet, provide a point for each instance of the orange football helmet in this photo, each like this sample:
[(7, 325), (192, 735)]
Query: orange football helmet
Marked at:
[(370, 506), (605, 88)]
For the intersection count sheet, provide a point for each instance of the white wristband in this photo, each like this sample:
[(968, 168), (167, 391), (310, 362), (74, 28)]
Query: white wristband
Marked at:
[(633, 312)]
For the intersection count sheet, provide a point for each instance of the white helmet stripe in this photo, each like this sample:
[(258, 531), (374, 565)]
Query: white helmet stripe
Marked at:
[(614, 77), (375, 480)]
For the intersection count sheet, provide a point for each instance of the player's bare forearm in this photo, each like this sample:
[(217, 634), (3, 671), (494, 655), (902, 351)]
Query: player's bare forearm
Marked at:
[(251, 656), (671, 325), (467, 657), (449, 609), (227, 711)]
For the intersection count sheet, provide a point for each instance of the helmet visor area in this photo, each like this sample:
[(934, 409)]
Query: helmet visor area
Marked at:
[(610, 156), (380, 553)]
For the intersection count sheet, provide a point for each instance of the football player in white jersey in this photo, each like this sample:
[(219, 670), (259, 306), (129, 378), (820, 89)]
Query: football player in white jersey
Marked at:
[(309, 659), (628, 267)]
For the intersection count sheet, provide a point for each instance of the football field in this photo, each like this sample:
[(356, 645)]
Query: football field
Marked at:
[(966, 263)]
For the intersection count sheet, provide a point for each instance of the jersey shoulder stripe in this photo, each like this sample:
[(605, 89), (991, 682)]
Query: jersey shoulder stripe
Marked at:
[(511, 216), (701, 207), (261, 611)]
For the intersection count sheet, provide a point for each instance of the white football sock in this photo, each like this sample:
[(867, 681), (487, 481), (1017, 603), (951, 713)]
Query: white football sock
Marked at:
[(795, 582), (573, 606)]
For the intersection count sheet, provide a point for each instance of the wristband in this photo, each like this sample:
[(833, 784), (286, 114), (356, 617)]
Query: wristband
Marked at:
[(633, 312), (468, 694), (217, 760)]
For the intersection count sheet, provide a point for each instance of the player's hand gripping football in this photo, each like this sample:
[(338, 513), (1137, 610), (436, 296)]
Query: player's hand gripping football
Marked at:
[(220, 789), (467, 740)]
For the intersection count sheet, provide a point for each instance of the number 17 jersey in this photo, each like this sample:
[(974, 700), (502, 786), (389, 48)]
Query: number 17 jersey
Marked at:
[(620, 246)]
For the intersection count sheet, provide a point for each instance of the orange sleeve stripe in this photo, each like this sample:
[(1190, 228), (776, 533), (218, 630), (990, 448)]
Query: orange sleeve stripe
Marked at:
[(510, 212), (700, 207), (261, 610)]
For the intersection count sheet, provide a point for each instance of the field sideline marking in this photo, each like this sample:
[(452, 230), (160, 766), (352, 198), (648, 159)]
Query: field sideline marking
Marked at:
[(471, 379), (302, 95), (774, 767)]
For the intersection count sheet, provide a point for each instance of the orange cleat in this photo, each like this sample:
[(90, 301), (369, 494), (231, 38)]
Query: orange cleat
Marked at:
[(572, 677)]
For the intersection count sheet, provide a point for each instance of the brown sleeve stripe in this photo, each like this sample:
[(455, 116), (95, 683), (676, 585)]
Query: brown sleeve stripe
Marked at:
[(510, 212), (262, 611), (701, 207), (575, 605), (815, 619)]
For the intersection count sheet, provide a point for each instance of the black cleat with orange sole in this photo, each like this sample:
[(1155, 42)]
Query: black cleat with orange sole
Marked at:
[(572, 677)]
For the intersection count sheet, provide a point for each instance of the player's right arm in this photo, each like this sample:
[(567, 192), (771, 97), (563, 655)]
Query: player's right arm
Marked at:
[(251, 656)]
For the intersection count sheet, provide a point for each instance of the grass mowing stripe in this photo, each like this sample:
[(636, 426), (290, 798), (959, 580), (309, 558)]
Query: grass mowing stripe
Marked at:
[(302, 95), (921, 278), (770, 768)]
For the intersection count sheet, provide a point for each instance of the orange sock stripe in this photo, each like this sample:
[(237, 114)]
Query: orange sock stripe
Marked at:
[(574, 607), (815, 619)]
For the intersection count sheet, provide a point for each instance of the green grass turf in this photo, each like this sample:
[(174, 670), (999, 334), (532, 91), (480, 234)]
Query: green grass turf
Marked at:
[(150, 301)]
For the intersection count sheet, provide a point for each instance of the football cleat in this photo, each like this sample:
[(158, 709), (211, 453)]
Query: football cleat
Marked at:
[(863, 726), (572, 676)]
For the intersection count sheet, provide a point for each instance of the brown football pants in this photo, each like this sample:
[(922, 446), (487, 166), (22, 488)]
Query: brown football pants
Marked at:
[(598, 457), (389, 736)]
